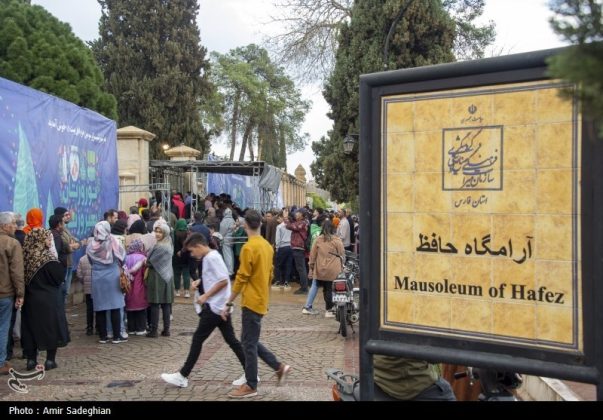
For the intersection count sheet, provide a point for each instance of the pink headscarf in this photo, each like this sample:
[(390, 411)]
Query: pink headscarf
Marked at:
[(104, 245)]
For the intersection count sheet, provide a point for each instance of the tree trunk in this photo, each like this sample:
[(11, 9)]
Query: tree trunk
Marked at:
[(246, 139), (233, 127), (251, 148)]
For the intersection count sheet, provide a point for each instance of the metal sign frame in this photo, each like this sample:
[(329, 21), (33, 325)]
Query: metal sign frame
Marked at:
[(582, 367)]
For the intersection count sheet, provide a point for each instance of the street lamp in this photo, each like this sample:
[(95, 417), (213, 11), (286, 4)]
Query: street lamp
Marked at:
[(348, 143), (391, 31)]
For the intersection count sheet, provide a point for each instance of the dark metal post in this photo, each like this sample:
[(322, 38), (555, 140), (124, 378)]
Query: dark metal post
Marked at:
[(391, 31)]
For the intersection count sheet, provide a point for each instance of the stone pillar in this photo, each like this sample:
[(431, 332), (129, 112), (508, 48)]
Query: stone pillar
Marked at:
[(185, 153), (133, 162)]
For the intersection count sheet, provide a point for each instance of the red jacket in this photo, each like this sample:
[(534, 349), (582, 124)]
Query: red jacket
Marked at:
[(299, 233)]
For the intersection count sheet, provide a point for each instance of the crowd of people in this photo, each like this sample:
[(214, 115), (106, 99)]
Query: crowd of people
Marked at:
[(215, 254)]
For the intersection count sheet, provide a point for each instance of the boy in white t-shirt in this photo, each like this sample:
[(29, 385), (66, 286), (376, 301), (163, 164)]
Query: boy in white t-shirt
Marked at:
[(214, 293)]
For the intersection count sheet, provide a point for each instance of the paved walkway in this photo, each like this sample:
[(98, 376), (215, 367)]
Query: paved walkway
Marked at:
[(130, 371)]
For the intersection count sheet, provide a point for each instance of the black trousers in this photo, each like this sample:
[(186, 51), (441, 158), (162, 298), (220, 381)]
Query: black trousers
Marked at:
[(166, 310), (90, 313), (137, 320), (101, 319), (208, 322)]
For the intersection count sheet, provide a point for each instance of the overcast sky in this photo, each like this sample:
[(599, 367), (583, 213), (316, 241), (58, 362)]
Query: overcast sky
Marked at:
[(522, 25)]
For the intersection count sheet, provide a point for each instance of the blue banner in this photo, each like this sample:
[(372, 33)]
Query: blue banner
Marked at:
[(56, 154), (241, 188)]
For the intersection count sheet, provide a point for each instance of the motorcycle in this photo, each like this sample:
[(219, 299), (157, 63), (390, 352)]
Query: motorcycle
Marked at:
[(346, 297), (495, 385)]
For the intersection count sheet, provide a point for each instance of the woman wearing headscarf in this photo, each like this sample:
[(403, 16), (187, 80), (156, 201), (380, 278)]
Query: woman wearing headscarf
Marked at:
[(180, 259), (35, 219), (136, 298), (325, 265), (43, 321), (106, 256), (160, 279)]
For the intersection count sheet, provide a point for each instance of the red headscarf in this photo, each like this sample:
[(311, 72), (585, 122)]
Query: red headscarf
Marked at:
[(35, 219)]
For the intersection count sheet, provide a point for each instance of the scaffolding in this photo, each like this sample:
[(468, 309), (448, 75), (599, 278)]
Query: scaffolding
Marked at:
[(265, 178), (159, 191)]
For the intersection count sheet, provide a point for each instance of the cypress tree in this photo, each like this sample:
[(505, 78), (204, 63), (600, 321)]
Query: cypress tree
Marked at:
[(151, 55), (39, 51), (424, 36)]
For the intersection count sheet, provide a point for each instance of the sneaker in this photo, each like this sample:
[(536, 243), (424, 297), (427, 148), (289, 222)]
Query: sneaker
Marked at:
[(309, 311), (124, 334), (301, 292), (109, 335), (140, 333), (119, 340), (187, 294), (175, 379), (329, 314), (282, 373), (178, 293), (104, 340), (241, 381), (244, 391), (277, 286), (287, 287), (171, 317)]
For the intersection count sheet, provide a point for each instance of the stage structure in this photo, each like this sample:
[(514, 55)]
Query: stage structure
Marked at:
[(251, 184)]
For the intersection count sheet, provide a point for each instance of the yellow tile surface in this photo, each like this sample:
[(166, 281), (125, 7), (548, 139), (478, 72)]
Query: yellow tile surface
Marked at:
[(473, 272), (517, 108), (400, 232), (428, 194), (523, 232), (400, 307), (400, 117), (400, 153), (519, 147), (553, 238), (552, 107), (554, 191), (431, 114), (554, 324), (399, 264), (519, 193), (556, 276), (514, 320), (428, 148), (471, 315), (399, 192), (432, 311), (554, 146)]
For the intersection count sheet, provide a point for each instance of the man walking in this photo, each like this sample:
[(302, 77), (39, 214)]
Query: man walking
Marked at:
[(12, 286), (214, 293), (253, 283)]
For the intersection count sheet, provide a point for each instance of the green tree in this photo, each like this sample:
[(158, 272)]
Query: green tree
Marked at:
[(581, 23), (39, 51), (425, 35), (151, 55), (309, 39), (262, 105), (318, 201)]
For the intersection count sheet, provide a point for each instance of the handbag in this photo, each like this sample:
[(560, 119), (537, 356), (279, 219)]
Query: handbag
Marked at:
[(124, 281)]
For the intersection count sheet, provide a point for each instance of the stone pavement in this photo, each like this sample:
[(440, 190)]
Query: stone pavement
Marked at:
[(130, 371)]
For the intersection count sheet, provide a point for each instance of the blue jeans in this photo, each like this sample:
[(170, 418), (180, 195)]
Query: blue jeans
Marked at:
[(6, 311), (326, 291), (67, 285), (250, 339)]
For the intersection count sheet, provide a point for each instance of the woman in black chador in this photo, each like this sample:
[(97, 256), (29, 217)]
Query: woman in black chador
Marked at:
[(44, 325)]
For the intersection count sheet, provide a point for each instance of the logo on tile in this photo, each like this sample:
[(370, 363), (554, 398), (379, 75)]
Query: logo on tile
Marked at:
[(472, 158)]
